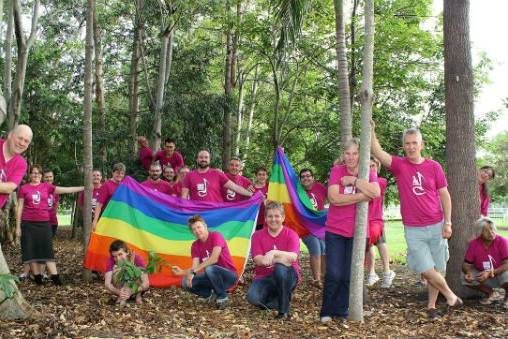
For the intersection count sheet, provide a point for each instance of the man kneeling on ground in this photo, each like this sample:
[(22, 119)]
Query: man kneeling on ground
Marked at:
[(486, 261), (274, 250)]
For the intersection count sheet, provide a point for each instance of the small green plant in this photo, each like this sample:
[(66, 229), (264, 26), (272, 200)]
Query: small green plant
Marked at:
[(7, 285), (155, 262), (127, 274)]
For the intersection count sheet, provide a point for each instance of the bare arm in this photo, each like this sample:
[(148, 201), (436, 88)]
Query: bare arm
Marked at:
[(446, 204), (501, 269), (338, 199), (65, 190), (284, 257), (7, 187), (238, 189), (19, 212), (98, 209), (185, 193), (108, 283), (370, 189), (377, 151)]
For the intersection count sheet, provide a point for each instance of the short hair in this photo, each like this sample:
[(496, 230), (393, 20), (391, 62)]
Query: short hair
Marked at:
[(377, 162), (274, 205), (156, 164), (490, 168), (194, 219), (480, 224), (303, 170), (169, 141), (36, 166), (118, 245), (411, 131), (259, 169), (351, 142), (119, 167), (236, 159), (204, 150), (47, 170), (97, 170)]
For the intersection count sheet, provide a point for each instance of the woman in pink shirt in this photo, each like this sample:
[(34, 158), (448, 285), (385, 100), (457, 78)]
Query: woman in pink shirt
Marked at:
[(485, 175), (32, 223)]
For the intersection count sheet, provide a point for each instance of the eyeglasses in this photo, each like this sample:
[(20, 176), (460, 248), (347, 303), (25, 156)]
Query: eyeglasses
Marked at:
[(306, 176), (36, 173)]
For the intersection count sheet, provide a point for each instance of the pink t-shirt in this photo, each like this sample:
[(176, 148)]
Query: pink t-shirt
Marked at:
[(145, 156), (263, 242), (205, 186), (53, 200), (261, 214), (10, 171), (175, 160), (175, 189), (482, 257), (106, 192), (484, 200), (418, 186), (35, 197), (95, 198), (231, 196), (203, 250), (138, 262), (157, 185), (317, 195), (376, 205), (341, 219)]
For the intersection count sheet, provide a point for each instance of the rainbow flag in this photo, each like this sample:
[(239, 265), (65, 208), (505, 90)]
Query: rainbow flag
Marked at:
[(148, 220), (285, 187)]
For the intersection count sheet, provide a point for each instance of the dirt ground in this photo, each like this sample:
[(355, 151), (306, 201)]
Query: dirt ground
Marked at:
[(78, 310)]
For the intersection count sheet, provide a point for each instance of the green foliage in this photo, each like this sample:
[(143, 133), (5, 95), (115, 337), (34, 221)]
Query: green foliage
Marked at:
[(7, 285), (127, 274), (495, 156), (155, 262)]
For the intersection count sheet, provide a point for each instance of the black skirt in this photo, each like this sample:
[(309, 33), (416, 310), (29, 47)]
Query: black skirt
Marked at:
[(36, 241)]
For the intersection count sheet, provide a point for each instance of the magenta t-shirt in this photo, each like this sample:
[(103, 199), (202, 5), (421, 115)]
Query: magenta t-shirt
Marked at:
[(376, 205), (317, 195), (205, 186), (263, 242), (175, 189), (157, 185), (175, 160), (341, 219), (138, 262), (35, 198), (231, 196), (484, 200), (418, 186), (53, 199), (261, 214), (95, 197), (106, 192), (10, 171), (203, 250), (145, 155), (482, 258)]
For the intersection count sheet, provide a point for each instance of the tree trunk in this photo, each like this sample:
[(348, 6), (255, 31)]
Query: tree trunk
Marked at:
[(23, 45), (352, 74), (460, 135), (99, 89), (8, 54), (227, 104), (251, 113), (346, 120), (241, 81), (169, 57), (358, 256), (159, 96)]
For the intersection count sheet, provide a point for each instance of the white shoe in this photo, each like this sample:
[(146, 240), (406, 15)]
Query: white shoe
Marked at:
[(325, 319), (372, 279), (388, 279)]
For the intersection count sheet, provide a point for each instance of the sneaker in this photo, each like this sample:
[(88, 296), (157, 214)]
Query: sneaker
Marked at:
[(488, 299), (388, 279), (372, 279), (325, 319), (23, 276), (210, 299), (222, 303)]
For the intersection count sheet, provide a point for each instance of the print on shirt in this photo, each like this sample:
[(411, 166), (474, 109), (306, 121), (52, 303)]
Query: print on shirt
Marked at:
[(3, 176), (418, 184), (207, 256), (201, 188), (230, 195), (36, 198), (313, 200), (50, 201), (349, 189)]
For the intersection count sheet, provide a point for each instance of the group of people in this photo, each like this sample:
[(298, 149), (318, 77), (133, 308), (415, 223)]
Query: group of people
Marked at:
[(425, 209)]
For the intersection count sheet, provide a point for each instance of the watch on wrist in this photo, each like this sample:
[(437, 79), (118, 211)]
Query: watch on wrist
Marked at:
[(192, 271)]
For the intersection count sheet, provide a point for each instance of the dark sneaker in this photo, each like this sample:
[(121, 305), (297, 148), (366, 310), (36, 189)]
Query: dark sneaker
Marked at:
[(222, 303)]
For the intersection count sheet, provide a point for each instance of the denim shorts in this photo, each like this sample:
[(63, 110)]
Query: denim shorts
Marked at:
[(315, 245), (426, 248)]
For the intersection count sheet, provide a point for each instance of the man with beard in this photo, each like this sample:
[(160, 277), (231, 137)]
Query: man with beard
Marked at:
[(206, 184), (155, 182), (235, 167)]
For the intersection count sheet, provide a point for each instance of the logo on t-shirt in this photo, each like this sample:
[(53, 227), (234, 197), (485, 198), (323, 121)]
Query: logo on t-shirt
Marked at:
[(230, 194), (313, 200), (349, 189), (50, 201), (201, 188), (36, 198), (3, 176), (418, 184), (206, 257)]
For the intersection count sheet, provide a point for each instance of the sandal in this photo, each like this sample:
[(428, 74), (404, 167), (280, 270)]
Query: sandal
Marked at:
[(433, 314), (457, 305), (488, 299)]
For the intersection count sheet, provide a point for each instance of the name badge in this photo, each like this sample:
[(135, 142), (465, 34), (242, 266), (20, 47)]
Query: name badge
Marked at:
[(486, 266)]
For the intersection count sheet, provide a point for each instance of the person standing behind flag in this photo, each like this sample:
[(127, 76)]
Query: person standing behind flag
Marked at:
[(261, 185), (169, 156), (235, 167)]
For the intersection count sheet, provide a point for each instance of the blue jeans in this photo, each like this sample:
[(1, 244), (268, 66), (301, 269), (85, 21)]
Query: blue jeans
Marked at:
[(315, 245), (275, 290), (215, 278), (338, 272)]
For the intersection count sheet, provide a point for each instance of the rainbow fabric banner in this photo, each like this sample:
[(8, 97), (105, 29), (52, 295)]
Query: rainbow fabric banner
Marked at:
[(285, 187), (148, 220)]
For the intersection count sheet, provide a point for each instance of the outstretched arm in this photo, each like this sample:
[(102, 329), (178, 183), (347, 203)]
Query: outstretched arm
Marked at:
[(377, 150), (238, 189)]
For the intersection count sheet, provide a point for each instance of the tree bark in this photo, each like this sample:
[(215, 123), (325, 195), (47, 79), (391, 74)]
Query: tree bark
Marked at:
[(99, 89), (241, 80), (8, 55), (358, 256), (346, 120), (251, 113), (227, 104), (460, 136), (159, 96), (352, 74)]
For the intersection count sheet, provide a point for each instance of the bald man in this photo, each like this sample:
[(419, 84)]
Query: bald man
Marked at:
[(12, 165)]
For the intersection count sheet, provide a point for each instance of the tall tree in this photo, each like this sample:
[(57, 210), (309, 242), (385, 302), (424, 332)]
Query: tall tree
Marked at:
[(99, 87), (358, 256), (8, 53), (460, 134), (228, 89)]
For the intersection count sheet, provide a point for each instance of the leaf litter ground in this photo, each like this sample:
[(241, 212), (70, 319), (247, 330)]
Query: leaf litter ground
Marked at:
[(80, 309)]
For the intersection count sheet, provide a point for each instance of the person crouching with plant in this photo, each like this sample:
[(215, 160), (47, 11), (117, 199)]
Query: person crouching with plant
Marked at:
[(125, 273), (212, 272)]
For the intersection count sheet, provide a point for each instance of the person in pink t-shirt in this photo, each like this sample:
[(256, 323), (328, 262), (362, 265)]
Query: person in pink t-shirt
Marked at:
[(235, 166), (213, 271), (145, 153), (206, 184), (155, 182), (485, 175), (345, 189), (32, 224), (485, 264), (97, 183), (275, 251), (317, 194), (261, 185), (426, 210), (170, 156), (53, 201), (107, 190)]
